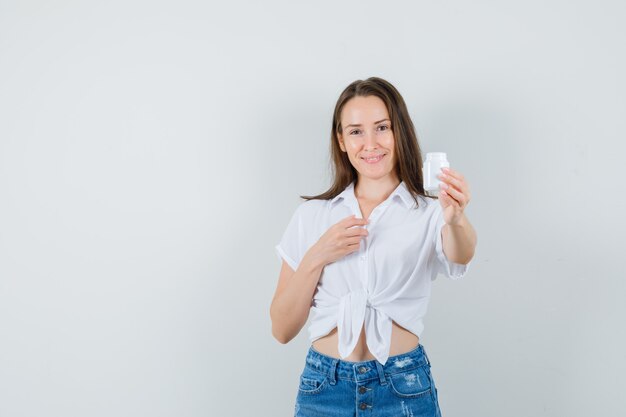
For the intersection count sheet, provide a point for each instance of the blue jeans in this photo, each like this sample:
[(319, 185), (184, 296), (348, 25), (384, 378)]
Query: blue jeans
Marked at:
[(403, 387)]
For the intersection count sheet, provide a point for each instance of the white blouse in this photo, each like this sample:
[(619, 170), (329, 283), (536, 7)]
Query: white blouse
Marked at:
[(388, 278)]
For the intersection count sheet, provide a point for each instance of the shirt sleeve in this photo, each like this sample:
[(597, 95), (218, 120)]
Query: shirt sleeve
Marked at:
[(444, 265), (289, 247)]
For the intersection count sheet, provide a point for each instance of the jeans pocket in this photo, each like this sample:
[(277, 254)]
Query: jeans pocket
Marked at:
[(312, 381), (412, 383)]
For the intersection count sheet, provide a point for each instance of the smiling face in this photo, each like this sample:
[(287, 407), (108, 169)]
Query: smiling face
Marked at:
[(367, 137)]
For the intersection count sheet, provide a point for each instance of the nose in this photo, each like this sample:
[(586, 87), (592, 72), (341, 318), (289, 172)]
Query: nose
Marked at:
[(371, 141)]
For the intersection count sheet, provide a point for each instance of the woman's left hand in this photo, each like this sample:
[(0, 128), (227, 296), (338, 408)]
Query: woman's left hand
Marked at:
[(454, 195)]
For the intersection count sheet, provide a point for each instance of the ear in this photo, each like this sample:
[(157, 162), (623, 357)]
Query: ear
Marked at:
[(341, 144)]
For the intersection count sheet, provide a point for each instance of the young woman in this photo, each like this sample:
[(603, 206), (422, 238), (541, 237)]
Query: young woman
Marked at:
[(361, 257)]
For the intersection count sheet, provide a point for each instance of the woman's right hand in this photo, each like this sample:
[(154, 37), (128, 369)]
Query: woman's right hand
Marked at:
[(340, 240)]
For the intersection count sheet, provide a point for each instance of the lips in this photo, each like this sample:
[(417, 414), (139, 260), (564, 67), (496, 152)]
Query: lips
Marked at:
[(373, 158)]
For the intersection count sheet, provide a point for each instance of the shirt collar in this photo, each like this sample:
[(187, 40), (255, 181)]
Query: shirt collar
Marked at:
[(401, 192)]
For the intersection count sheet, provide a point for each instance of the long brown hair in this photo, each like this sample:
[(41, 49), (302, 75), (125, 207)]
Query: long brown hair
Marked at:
[(409, 156)]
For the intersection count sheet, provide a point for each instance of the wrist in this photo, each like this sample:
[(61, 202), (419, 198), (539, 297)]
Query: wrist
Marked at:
[(461, 222), (313, 261)]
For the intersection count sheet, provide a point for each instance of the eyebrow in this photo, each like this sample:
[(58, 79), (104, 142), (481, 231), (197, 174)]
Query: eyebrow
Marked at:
[(360, 124)]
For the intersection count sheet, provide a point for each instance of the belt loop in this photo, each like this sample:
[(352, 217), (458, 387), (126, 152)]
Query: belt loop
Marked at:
[(333, 371), (381, 373), (425, 355)]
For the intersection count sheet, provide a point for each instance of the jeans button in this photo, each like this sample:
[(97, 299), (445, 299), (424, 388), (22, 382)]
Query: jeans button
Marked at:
[(363, 369), (362, 390), (363, 406)]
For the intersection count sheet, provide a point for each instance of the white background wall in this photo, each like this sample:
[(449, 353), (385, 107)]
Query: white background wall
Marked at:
[(151, 153)]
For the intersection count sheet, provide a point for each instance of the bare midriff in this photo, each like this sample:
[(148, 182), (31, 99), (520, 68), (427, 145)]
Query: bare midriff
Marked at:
[(402, 341)]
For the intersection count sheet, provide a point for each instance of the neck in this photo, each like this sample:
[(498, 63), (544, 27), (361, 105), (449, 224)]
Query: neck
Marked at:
[(368, 189)]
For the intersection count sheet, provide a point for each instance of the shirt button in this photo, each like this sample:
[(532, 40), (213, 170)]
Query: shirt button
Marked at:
[(363, 406), (363, 369), (362, 390)]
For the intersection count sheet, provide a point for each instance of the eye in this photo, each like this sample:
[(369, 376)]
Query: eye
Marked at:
[(356, 130), (385, 126)]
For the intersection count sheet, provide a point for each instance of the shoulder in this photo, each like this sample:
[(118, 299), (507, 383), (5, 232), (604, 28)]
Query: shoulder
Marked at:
[(310, 208), (427, 203), (430, 209), (308, 217)]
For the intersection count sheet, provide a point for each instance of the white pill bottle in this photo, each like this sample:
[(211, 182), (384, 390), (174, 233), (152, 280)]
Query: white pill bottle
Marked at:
[(431, 168)]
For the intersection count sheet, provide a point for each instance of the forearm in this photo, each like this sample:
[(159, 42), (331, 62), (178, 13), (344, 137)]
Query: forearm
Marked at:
[(459, 241), (290, 311)]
